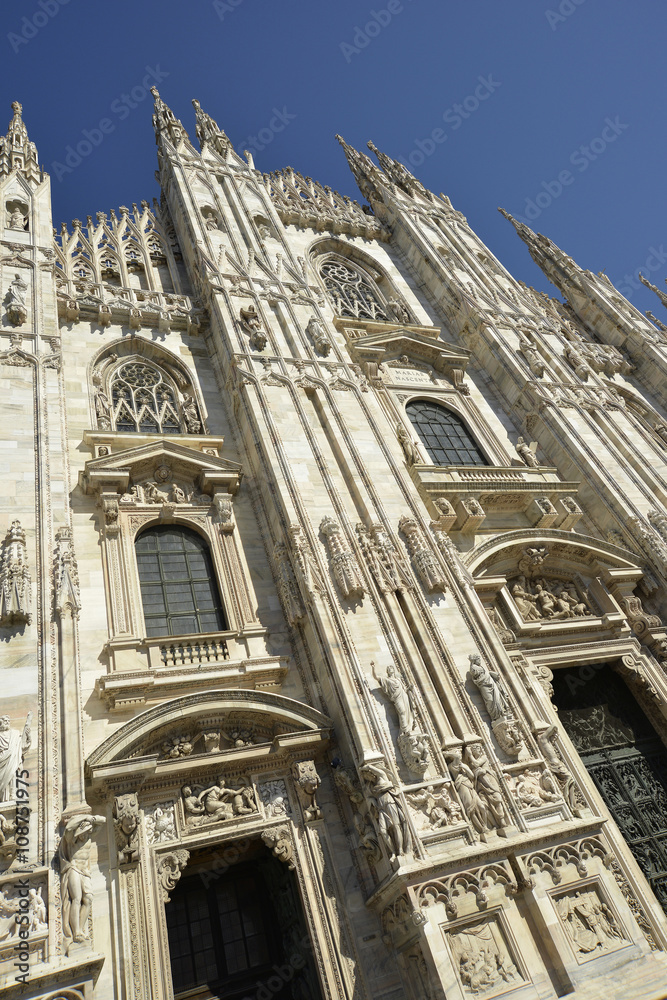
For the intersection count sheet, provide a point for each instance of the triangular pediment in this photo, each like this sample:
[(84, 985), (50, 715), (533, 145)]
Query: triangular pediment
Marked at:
[(121, 469), (417, 346)]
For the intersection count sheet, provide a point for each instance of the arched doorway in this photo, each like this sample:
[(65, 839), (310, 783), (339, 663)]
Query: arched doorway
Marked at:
[(624, 756), (237, 930)]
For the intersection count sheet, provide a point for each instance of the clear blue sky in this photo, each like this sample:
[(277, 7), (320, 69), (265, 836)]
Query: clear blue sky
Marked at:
[(555, 72)]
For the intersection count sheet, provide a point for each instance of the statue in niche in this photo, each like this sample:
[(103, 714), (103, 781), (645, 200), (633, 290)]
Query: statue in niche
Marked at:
[(388, 811), (102, 406), (211, 219), (16, 301), (17, 220), (526, 454), (489, 686), (74, 853), (13, 748)]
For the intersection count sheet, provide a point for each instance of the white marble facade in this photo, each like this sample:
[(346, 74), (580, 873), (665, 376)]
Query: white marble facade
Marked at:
[(376, 715)]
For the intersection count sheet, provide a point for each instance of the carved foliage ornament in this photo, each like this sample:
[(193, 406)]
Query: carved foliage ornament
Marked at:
[(343, 561)]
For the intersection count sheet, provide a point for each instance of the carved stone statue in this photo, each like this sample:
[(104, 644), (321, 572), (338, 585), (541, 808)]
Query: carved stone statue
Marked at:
[(13, 747), (307, 781), (397, 693), (487, 787), (399, 310), (407, 444), (16, 301), (17, 220), (318, 335), (464, 782), (15, 583), (278, 840), (362, 810), (191, 415), (388, 812), (488, 683), (252, 325), (75, 883), (126, 826), (526, 454)]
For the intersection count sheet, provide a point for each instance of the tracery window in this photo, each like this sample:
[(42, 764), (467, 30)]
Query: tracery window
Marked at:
[(142, 401), (444, 435), (178, 587), (352, 291)]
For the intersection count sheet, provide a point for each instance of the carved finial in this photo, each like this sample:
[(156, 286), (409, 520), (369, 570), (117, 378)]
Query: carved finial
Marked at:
[(209, 132)]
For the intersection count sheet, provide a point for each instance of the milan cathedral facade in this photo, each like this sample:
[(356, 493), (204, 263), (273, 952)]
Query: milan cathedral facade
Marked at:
[(332, 598)]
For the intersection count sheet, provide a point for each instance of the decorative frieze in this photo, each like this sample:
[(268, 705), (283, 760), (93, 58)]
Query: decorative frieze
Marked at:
[(217, 802)]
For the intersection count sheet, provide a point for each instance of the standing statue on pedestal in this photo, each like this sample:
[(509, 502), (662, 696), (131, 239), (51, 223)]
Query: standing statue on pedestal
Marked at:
[(13, 746)]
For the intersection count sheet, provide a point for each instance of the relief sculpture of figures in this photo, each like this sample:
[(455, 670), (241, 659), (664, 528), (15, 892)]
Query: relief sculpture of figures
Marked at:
[(541, 600), (589, 922)]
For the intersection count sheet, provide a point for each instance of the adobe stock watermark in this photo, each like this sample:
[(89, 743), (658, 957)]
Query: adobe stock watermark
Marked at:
[(454, 118), (657, 257), (565, 9), (280, 120), (581, 158), (377, 21), (224, 7), (121, 108), (31, 25)]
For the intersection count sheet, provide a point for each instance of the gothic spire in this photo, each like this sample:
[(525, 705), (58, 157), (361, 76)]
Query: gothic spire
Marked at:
[(661, 295), (397, 173), (366, 174), (557, 266), (165, 121), (16, 150), (209, 132)]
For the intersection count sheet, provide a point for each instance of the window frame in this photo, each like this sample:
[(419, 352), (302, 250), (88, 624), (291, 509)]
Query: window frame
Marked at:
[(169, 617), (460, 419)]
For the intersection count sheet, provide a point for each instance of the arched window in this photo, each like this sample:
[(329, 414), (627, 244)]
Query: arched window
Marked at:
[(352, 291), (142, 401), (444, 435), (178, 588)]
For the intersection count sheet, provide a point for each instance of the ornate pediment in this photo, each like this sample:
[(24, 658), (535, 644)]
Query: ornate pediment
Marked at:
[(555, 584), (385, 343), (221, 728), (158, 462)]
